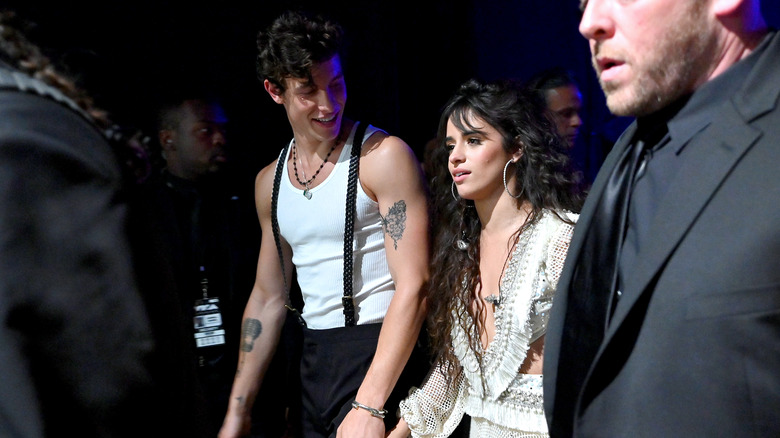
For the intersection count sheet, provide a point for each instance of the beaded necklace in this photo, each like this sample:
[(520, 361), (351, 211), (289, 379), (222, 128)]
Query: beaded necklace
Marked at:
[(306, 190)]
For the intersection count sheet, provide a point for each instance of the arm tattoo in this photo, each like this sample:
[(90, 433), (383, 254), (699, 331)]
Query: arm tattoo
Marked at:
[(249, 332), (394, 223)]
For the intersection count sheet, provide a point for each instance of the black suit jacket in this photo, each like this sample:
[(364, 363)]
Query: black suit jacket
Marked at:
[(694, 347)]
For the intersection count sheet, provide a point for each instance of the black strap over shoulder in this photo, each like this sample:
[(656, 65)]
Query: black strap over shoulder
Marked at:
[(348, 300), (280, 166), (349, 224)]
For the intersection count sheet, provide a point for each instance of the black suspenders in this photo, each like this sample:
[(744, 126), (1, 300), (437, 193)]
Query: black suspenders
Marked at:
[(349, 224)]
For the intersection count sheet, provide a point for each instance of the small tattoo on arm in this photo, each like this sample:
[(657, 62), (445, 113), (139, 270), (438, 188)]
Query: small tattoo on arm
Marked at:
[(249, 333), (394, 223)]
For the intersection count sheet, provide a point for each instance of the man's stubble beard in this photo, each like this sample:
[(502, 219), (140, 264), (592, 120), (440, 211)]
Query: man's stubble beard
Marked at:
[(679, 63)]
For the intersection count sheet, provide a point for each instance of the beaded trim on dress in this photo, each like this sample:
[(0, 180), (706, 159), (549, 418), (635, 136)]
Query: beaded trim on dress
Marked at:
[(507, 403), (506, 353)]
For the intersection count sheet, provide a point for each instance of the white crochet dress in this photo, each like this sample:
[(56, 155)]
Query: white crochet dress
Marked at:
[(510, 405)]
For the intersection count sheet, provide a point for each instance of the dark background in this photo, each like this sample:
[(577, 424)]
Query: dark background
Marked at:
[(404, 59)]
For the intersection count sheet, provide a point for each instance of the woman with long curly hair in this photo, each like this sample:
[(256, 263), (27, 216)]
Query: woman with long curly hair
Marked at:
[(500, 248)]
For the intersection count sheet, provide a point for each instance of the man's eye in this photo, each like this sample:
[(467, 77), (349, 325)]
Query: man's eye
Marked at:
[(567, 113)]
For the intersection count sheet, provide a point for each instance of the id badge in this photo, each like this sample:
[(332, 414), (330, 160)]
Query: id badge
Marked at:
[(208, 323)]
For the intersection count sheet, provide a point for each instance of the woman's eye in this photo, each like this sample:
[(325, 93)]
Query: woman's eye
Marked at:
[(474, 141)]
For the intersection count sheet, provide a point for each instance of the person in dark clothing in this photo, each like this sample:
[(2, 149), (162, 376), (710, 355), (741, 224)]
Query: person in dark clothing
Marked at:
[(74, 335), (209, 237), (667, 319)]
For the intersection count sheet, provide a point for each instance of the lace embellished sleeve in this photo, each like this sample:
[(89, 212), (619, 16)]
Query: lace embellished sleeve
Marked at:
[(559, 246), (435, 409), (546, 284)]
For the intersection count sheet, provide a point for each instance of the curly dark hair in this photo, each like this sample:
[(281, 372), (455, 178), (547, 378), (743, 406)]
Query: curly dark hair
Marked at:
[(543, 176), (130, 144), (293, 44), (17, 50)]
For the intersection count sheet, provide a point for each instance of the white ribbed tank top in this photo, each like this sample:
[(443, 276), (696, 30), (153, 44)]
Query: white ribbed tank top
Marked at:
[(314, 228)]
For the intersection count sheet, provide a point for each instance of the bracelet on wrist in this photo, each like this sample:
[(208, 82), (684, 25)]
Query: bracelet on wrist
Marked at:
[(378, 413)]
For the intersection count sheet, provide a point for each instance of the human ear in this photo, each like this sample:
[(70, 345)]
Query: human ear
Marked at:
[(276, 94), (519, 151)]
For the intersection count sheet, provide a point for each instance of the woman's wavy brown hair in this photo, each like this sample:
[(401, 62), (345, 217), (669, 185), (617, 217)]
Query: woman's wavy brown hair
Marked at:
[(543, 175)]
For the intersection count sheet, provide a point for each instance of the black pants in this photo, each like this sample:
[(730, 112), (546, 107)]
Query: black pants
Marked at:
[(333, 365)]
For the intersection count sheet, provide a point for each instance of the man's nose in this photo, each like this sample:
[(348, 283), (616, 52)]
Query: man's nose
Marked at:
[(596, 23)]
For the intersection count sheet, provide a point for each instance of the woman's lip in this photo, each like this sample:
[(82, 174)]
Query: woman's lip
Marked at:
[(459, 176)]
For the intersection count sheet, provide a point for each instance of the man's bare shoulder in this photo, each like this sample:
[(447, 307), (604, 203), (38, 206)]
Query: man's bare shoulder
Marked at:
[(264, 183), (387, 161), (383, 149)]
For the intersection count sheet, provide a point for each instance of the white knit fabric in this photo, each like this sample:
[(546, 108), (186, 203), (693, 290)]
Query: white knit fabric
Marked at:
[(508, 404), (314, 228)]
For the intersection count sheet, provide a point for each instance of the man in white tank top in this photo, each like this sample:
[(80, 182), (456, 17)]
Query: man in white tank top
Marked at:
[(351, 364)]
